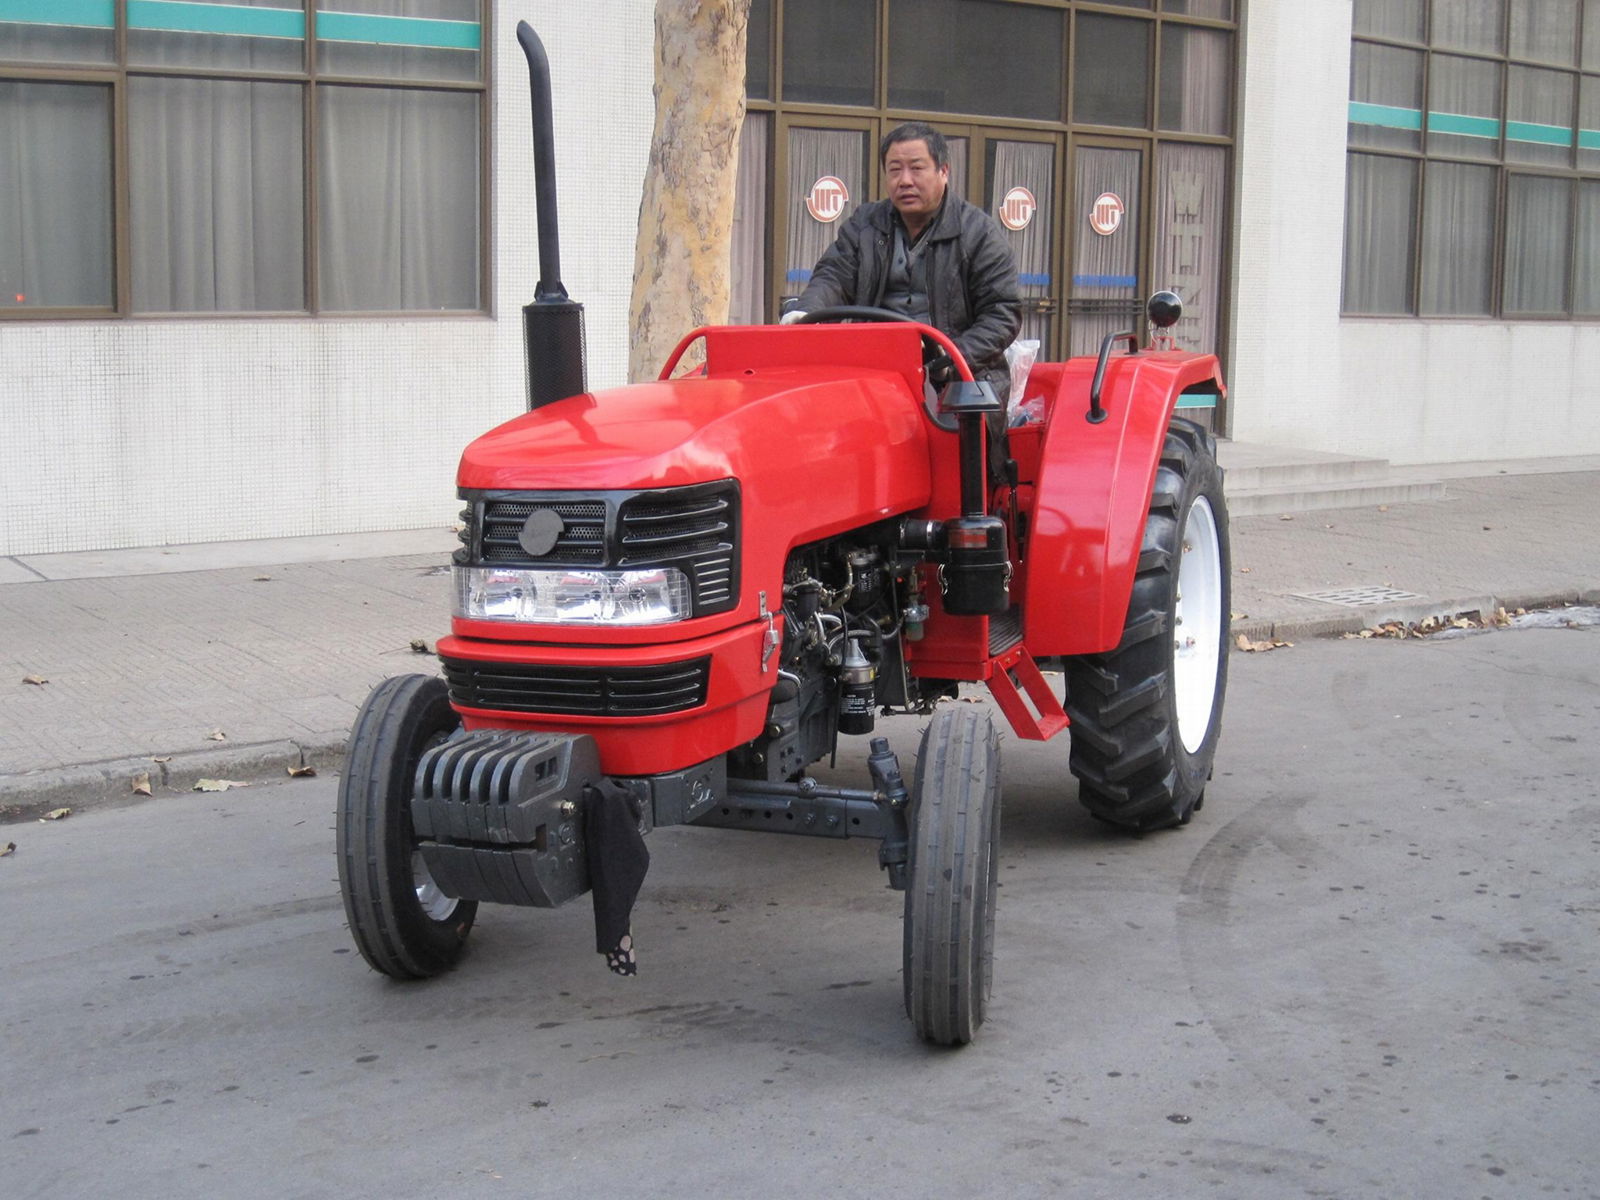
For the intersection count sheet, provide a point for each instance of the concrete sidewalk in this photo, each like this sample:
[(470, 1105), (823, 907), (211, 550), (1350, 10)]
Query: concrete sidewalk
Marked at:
[(239, 660)]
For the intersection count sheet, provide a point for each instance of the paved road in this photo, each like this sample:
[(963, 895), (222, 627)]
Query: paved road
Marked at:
[(1369, 969)]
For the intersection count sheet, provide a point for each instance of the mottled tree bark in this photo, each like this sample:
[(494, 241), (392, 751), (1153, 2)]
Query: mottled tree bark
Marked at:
[(681, 259)]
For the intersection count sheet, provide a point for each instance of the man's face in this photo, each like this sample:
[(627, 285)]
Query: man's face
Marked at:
[(916, 183)]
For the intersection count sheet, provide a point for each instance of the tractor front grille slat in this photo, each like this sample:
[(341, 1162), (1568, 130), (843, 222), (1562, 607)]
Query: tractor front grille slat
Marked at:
[(654, 529), (622, 691)]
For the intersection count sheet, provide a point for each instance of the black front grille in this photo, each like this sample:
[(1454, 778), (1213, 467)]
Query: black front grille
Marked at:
[(578, 691), (698, 527), (582, 541), (695, 529)]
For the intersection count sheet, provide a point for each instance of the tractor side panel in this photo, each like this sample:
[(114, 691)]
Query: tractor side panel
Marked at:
[(1092, 495)]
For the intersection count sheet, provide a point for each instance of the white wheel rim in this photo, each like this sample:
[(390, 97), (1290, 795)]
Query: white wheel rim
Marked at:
[(1197, 625), (436, 906)]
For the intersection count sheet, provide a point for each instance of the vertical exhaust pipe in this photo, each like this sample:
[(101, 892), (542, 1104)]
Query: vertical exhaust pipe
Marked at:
[(552, 326)]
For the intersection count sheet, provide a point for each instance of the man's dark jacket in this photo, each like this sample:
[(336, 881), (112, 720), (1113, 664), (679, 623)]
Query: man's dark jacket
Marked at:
[(972, 279)]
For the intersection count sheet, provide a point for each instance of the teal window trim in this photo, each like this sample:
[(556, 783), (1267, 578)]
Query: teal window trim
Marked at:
[(1386, 115), (1391, 117), (82, 14), (189, 16), (1462, 125), (1544, 135), (232, 20), (399, 31)]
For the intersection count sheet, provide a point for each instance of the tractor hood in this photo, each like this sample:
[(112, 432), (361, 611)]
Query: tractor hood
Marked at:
[(821, 449)]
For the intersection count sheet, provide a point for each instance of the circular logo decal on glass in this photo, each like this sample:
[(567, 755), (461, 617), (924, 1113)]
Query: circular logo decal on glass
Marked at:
[(827, 198), (1105, 218), (1017, 209)]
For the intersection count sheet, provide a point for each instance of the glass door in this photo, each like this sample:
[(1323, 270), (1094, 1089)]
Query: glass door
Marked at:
[(826, 173), (1191, 214), (1020, 190), (1105, 216)]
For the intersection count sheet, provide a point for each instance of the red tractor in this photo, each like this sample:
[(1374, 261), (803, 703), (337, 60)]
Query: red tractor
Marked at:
[(673, 598)]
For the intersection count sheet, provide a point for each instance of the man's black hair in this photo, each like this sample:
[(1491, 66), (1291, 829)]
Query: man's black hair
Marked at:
[(913, 131)]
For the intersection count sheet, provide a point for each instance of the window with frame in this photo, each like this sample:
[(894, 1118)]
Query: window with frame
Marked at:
[(1473, 184), (241, 156)]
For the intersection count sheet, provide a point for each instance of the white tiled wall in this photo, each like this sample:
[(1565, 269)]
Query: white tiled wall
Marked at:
[(1407, 390), (135, 433)]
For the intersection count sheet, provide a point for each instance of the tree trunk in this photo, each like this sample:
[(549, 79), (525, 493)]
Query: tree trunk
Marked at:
[(681, 260)]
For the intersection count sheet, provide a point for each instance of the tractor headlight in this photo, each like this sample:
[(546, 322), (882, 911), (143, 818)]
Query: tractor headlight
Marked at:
[(650, 596)]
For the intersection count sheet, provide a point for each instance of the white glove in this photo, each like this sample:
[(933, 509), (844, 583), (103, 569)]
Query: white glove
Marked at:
[(790, 317)]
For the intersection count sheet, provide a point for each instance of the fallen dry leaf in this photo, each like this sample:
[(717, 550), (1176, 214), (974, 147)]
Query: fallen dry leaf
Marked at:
[(164, 758), (302, 772), (218, 785), (1383, 508), (36, 680), (216, 735), (1249, 647), (56, 814), (141, 784), (419, 646), (262, 579), (8, 848), (1244, 570), (1286, 517)]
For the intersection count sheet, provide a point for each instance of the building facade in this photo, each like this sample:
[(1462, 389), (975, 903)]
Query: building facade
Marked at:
[(261, 261)]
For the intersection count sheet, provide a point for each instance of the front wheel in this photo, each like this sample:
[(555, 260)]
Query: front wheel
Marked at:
[(1145, 716), (402, 923), (951, 891)]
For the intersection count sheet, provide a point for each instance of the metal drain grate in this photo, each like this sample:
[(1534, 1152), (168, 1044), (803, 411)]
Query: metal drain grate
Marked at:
[(1359, 597)]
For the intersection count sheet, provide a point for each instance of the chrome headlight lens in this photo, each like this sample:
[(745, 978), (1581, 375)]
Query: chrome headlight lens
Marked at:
[(651, 596)]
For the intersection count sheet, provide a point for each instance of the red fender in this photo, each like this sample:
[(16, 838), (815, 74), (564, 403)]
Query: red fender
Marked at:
[(1093, 492)]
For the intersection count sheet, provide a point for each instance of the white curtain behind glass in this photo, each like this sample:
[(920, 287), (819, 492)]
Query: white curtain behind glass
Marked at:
[(812, 154), (1399, 19), (1469, 25), (55, 195), (1099, 301), (216, 195), (1196, 80), (1458, 240), (1586, 287), (1191, 218), (1538, 213), (1031, 165), (398, 199), (1379, 232), (748, 274), (957, 147)]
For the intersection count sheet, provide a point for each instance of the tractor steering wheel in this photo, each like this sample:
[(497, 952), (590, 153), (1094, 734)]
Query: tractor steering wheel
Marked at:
[(932, 348)]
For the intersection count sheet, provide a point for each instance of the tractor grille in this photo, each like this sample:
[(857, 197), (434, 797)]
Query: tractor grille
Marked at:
[(582, 541), (578, 691), (695, 529), (699, 529)]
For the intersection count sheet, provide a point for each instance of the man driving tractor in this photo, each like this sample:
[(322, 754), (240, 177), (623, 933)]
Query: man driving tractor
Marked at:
[(928, 254)]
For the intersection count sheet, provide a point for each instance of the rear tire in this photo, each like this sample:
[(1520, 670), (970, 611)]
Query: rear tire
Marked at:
[(951, 891), (402, 924), (1145, 716)]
